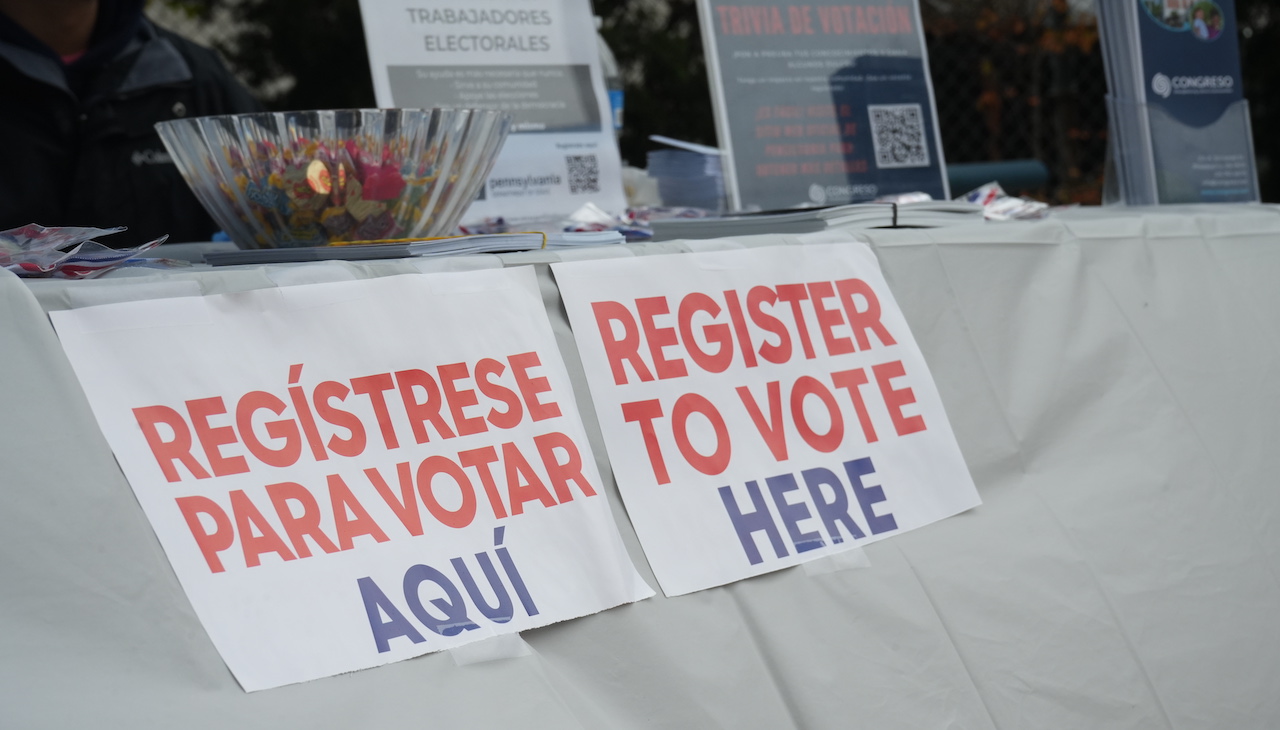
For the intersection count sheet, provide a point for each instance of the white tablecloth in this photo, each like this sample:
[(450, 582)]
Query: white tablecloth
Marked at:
[(1113, 379)]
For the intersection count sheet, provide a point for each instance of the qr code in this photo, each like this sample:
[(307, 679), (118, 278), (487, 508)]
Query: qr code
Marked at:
[(897, 133), (584, 173)]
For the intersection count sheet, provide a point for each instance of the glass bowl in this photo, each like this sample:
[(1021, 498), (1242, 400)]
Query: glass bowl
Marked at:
[(310, 178)]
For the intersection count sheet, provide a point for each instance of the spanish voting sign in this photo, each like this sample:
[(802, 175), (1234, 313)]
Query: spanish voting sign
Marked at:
[(348, 474), (761, 407), (822, 103), (538, 60)]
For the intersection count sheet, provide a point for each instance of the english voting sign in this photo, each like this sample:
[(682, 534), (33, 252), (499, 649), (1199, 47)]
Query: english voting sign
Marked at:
[(761, 407), (348, 474)]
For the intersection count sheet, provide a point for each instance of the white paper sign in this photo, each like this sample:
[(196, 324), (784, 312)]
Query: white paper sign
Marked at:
[(761, 407), (537, 59), (353, 473)]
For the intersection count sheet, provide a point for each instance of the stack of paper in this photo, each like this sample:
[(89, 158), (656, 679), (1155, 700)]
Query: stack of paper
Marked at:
[(688, 176), (808, 220), (452, 245), (582, 239), (1179, 122), (927, 214)]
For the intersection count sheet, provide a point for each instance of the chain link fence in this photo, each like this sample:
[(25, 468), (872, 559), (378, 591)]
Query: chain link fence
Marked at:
[(1014, 79), (1022, 83)]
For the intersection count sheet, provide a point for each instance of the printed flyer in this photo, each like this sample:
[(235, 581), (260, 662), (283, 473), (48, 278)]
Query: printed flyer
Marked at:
[(761, 407), (822, 104), (538, 60), (349, 474)]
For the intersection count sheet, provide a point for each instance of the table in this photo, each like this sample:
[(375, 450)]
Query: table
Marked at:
[(1112, 379)]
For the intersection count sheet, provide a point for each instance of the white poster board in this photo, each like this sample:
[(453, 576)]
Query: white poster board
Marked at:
[(761, 407), (344, 475), (537, 59)]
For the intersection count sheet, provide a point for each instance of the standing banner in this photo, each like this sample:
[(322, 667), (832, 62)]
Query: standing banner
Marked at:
[(349, 474), (761, 407), (537, 59), (1179, 120), (822, 104)]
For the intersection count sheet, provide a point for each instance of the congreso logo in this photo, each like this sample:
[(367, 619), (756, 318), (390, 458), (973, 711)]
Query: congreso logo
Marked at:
[(1161, 85), (829, 194), (1164, 86)]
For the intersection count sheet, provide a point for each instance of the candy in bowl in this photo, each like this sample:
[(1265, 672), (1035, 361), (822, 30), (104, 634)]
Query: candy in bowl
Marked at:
[(311, 178)]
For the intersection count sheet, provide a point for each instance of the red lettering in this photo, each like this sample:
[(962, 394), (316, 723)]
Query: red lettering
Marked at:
[(427, 410), (405, 506), (756, 299), (801, 19), (466, 511), (354, 444), (851, 381), (210, 543), (375, 386), (460, 399), (530, 387), (793, 294), (716, 333), (861, 320), (305, 418), (828, 319), (826, 16), (480, 460), (287, 454), (645, 412), (167, 452), (523, 484), (725, 26), (299, 527), (889, 20), (773, 432), (685, 406), (560, 474), (659, 338), (349, 516), (740, 328), (894, 400), (626, 349), (212, 439), (824, 442), (265, 540), (509, 418)]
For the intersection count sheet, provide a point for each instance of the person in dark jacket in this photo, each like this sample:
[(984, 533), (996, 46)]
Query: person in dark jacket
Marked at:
[(82, 83)]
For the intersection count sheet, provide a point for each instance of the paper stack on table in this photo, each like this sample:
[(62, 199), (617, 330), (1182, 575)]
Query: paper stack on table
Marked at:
[(926, 214), (689, 175), (452, 245)]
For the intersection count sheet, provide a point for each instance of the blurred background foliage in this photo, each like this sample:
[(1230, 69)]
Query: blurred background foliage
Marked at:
[(1014, 79)]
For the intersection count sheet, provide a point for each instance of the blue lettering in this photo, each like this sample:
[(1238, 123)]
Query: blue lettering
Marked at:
[(455, 619), (500, 613), (747, 523), (835, 512), (376, 604), (792, 514), (868, 496)]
